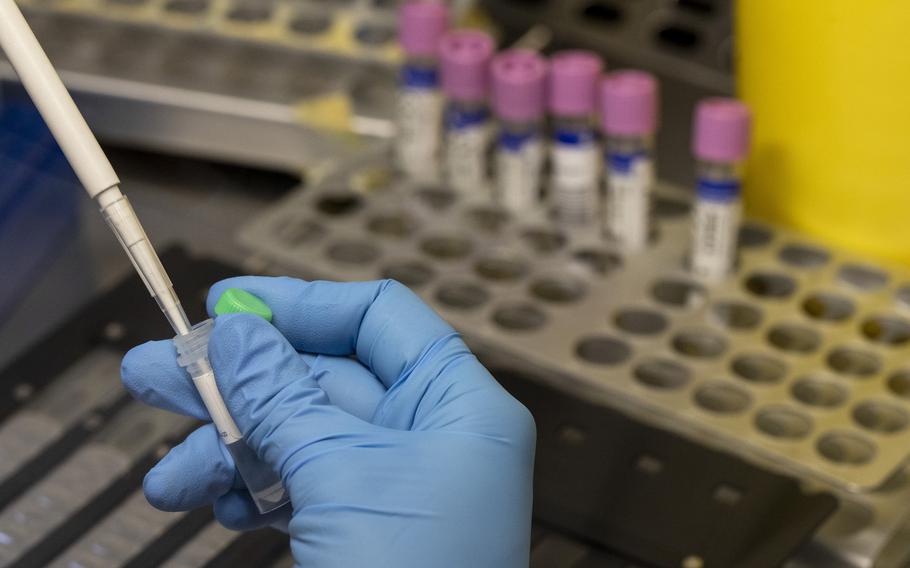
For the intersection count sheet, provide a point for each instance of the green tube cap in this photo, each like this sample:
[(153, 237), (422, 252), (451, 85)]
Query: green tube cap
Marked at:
[(237, 301)]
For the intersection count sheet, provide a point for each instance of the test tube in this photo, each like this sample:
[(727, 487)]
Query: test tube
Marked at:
[(420, 104), (721, 140), (519, 91), (574, 155), (630, 116), (465, 64)]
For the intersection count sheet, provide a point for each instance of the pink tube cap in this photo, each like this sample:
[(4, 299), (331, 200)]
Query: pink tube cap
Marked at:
[(519, 85), (573, 83), (630, 102), (464, 59), (722, 131), (420, 25)]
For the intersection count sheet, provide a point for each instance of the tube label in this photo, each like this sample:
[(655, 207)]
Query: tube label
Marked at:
[(714, 239), (576, 169), (518, 164), (467, 141), (419, 122), (629, 183)]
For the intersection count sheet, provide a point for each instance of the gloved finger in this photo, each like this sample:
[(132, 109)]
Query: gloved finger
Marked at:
[(272, 393), (349, 385), (195, 473), (385, 324), (236, 511), (151, 374)]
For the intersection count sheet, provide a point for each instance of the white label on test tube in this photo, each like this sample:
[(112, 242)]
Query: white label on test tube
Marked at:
[(628, 199), (466, 152), (576, 168), (714, 237), (518, 173), (419, 131)]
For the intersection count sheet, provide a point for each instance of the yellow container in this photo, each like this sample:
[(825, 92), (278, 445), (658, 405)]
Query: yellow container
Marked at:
[(829, 84)]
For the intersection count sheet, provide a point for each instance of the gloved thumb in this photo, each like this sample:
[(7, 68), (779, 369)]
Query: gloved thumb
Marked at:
[(271, 392)]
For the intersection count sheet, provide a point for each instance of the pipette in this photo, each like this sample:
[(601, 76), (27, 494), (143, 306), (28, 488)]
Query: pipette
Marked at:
[(102, 184)]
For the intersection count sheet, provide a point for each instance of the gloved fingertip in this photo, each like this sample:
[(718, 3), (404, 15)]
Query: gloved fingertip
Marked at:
[(143, 367)]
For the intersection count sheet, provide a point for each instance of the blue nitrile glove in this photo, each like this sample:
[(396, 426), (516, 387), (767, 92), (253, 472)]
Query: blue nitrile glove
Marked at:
[(409, 456)]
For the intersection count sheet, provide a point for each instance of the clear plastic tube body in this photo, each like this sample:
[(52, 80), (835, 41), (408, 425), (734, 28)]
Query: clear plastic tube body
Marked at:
[(718, 211), (419, 119), (629, 183), (263, 483), (575, 166), (519, 161), (467, 144)]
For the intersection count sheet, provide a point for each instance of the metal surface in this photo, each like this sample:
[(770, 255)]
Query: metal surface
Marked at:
[(795, 363), (213, 95)]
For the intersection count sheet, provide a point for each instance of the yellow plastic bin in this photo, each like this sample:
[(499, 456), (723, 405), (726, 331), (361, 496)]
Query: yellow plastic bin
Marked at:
[(829, 84)]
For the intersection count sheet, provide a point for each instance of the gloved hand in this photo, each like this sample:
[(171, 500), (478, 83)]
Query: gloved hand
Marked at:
[(408, 455)]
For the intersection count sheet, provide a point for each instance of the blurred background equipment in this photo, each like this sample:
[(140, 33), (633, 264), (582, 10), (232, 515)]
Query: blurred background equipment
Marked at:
[(737, 395)]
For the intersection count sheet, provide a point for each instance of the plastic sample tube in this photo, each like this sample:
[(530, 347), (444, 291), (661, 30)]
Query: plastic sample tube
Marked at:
[(721, 143), (465, 66), (420, 103), (574, 154), (519, 91), (630, 116), (102, 184)]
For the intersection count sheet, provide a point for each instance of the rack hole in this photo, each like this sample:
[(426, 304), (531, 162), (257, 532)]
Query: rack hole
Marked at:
[(501, 267), (783, 422), (828, 307), (558, 289), (679, 293), (771, 285), (794, 338), (397, 224), (369, 33), (680, 37), (722, 398), (436, 198), (703, 7), (819, 393), (880, 417), (668, 208), (488, 219), (353, 252), (754, 236), (296, 232), (759, 368), (641, 321), (804, 256), (854, 362), (861, 277), (339, 204), (888, 330), (310, 24), (519, 317), (544, 241), (250, 13), (462, 295), (603, 350), (737, 315), (903, 295), (187, 6), (410, 273), (602, 12), (447, 247), (598, 261), (846, 448), (699, 343), (662, 374), (899, 383)]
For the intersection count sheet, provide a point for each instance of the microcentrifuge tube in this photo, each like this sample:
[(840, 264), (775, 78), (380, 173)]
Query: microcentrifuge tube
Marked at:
[(465, 66), (574, 154), (629, 115), (721, 143), (420, 102), (518, 94)]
